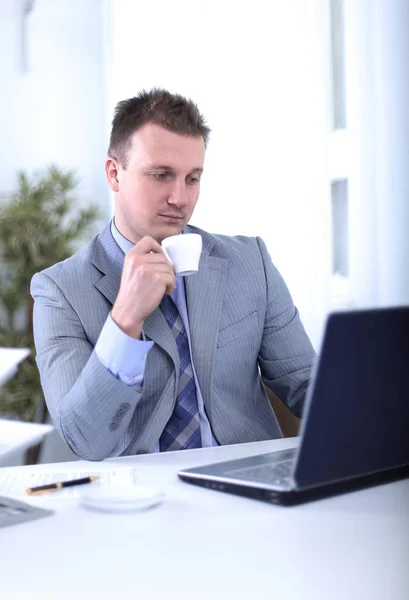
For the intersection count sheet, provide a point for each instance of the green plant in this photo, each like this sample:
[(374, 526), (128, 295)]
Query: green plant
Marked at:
[(40, 224)]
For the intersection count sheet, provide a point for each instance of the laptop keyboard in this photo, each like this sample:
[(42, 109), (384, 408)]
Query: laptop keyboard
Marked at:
[(275, 473)]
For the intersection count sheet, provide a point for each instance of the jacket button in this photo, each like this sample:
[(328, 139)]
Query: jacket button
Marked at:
[(114, 426)]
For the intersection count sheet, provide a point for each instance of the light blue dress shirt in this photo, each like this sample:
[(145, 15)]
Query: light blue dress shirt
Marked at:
[(125, 356)]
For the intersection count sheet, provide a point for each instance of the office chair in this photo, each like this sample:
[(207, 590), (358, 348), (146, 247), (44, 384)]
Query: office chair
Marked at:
[(289, 423)]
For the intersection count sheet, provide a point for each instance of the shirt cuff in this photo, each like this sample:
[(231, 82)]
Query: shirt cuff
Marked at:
[(122, 355)]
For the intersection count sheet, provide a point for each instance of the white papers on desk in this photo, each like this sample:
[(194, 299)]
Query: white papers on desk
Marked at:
[(17, 436), (10, 358), (14, 482)]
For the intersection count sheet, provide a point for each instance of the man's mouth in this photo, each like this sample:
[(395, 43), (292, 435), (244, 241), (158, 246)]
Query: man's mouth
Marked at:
[(171, 217)]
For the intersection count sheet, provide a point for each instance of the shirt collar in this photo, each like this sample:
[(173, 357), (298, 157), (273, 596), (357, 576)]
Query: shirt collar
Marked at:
[(122, 242)]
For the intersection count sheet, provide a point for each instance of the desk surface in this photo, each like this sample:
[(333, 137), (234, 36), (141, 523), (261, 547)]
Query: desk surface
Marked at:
[(202, 544)]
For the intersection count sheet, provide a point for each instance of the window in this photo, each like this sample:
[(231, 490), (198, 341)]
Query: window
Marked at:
[(338, 160)]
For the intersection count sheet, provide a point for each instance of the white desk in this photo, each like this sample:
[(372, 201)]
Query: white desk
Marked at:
[(202, 544)]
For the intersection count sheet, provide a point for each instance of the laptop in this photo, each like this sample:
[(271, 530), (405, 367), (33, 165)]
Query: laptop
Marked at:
[(355, 428)]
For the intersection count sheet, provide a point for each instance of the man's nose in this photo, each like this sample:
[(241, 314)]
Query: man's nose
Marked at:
[(179, 194)]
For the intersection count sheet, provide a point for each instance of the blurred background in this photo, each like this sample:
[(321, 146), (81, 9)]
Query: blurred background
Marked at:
[(308, 105)]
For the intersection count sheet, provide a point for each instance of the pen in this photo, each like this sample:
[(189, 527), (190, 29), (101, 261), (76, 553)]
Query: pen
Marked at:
[(54, 487)]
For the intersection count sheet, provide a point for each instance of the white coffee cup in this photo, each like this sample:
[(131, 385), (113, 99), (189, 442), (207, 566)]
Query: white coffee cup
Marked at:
[(183, 251)]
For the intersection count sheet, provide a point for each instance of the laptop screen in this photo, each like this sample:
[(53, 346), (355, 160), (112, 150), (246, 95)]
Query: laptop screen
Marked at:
[(356, 419)]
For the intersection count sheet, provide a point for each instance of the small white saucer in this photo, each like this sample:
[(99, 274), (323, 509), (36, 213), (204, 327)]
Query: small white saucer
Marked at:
[(120, 499)]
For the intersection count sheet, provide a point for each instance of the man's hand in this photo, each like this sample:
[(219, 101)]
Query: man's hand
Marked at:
[(147, 275)]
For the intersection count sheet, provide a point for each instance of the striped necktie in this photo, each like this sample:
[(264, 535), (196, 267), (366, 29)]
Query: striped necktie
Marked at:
[(183, 428)]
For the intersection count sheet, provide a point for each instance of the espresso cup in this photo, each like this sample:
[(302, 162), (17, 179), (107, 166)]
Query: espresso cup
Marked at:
[(183, 251)]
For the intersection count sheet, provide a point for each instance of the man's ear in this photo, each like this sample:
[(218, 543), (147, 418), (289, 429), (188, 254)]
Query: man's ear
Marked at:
[(112, 173)]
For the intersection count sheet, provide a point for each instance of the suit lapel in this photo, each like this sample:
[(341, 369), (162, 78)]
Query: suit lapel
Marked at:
[(204, 298), (109, 259)]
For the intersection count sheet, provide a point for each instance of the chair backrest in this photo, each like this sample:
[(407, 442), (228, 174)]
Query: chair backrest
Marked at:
[(289, 423)]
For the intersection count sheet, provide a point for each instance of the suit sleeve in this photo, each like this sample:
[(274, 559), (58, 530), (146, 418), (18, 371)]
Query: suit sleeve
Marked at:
[(286, 354), (91, 408)]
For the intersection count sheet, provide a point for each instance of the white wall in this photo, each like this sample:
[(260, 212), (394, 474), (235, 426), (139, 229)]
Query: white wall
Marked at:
[(259, 73), (55, 111), (377, 85), (391, 57)]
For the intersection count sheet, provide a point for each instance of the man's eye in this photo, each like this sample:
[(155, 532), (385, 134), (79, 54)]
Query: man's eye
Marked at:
[(161, 176), (193, 180)]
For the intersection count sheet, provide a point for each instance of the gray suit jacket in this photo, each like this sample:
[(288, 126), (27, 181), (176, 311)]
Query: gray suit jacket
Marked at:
[(242, 322)]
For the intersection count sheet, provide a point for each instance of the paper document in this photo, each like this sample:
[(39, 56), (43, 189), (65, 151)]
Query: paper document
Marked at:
[(9, 361), (14, 482), (17, 436)]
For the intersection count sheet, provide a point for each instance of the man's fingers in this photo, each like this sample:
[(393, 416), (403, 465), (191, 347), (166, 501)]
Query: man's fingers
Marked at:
[(153, 258), (145, 246), (160, 272), (170, 286)]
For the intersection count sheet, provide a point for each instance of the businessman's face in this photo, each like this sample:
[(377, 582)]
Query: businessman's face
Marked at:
[(157, 189)]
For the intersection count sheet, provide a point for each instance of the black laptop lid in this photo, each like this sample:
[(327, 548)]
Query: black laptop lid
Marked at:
[(357, 418)]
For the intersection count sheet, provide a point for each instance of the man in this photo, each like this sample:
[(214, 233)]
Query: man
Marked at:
[(133, 359)]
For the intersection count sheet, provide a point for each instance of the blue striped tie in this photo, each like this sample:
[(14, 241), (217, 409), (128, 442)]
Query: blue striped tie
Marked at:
[(183, 428)]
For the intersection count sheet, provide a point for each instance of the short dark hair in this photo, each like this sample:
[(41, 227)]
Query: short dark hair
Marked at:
[(172, 111)]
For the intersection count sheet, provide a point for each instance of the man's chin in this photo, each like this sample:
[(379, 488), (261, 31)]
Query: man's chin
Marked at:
[(168, 230)]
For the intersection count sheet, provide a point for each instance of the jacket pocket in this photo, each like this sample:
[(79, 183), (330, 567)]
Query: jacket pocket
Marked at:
[(238, 329)]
